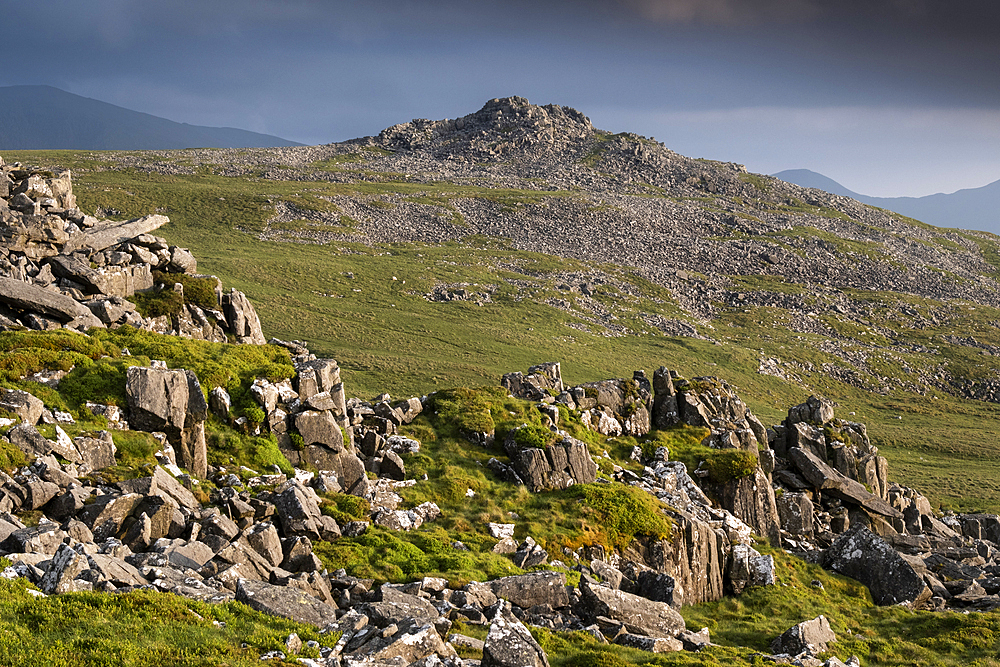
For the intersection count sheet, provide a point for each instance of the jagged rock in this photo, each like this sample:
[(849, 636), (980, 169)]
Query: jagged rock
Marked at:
[(509, 643), (406, 646), (170, 401), (560, 465), (862, 555), (665, 410), (535, 588), (284, 601), (656, 586), (812, 637), (795, 512), (96, 453), (646, 617), (751, 499), (22, 404), (242, 318), (27, 438), (220, 403), (823, 477), (815, 410), (749, 569), (43, 539), (695, 556), (298, 511), (66, 565), (529, 554), (106, 515), (35, 299), (536, 385)]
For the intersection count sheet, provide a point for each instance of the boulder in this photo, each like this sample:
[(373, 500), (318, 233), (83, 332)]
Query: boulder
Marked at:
[(795, 511), (639, 615), (394, 606), (751, 499), (242, 318), (812, 637), (749, 569), (170, 401), (827, 479), (509, 643), (22, 404), (107, 235), (862, 555), (535, 588), (285, 601)]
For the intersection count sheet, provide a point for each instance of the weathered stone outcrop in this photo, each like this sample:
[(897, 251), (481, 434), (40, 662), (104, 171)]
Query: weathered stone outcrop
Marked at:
[(559, 465), (862, 555), (171, 401)]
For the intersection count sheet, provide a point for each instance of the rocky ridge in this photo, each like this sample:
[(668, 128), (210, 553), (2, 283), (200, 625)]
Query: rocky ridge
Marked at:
[(719, 239)]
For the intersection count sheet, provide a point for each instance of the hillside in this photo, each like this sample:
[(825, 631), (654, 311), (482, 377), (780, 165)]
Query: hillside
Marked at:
[(667, 488), (971, 208), (40, 117)]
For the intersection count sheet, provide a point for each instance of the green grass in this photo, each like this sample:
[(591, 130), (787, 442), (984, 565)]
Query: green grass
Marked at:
[(135, 630)]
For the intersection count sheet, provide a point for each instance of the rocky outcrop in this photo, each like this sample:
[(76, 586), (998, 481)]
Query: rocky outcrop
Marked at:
[(170, 401), (862, 555), (558, 465), (65, 269)]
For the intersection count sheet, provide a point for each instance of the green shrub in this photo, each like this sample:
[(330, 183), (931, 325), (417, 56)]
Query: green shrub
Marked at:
[(197, 291), (226, 447), (99, 382), (158, 302), (135, 447), (345, 508), (728, 464), (621, 513), (468, 410), (11, 457), (255, 414), (533, 435)]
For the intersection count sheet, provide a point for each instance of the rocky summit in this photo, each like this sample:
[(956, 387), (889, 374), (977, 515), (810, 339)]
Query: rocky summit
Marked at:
[(534, 521)]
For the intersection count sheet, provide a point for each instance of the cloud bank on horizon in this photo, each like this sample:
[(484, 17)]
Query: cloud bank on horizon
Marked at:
[(888, 97)]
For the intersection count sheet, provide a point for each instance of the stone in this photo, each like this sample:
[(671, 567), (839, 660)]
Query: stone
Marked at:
[(392, 466), (509, 643), (21, 403), (285, 601), (795, 512), (812, 637), (242, 318), (653, 619), (170, 401), (534, 588), (27, 438), (862, 555), (650, 644), (749, 569), (66, 565), (298, 511), (829, 480), (406, 646), (35, 299), (559, 466), (393, 606), (107, 235), (220, 403), (263, 538)]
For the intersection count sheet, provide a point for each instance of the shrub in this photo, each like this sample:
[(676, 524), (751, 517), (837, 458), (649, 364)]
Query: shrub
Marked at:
[(197, 291), (158, 302), (622, 513), (533, 435), (729, 464)]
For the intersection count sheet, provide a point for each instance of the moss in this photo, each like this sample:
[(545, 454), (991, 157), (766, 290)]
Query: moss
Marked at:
[(621, 513), (533, 435), (729, 464), (345, 508)]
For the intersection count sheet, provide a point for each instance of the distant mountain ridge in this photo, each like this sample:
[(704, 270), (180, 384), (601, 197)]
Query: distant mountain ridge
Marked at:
[(43, 117), (972, 208)]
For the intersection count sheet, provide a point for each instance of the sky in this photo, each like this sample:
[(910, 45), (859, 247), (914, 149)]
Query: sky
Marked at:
[(887, 97)]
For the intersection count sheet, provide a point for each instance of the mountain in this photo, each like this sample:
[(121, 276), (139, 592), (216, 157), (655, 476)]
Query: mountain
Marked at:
[(972, 208), (42, 117)]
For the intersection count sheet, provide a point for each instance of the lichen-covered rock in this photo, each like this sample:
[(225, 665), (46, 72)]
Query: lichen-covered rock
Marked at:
[(535, 588), (509, 643), (653, 619), (812, 637), (862, 555), (285, 601)]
